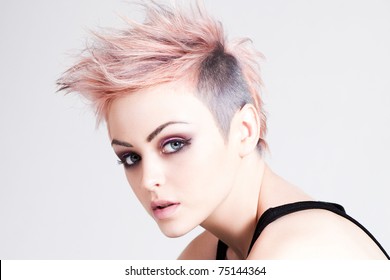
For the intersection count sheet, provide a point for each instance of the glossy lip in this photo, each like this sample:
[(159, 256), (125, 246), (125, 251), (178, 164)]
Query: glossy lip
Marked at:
[(163, 209)]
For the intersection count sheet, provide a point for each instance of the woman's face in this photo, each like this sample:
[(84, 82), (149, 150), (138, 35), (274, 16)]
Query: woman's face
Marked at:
[(175, 159)]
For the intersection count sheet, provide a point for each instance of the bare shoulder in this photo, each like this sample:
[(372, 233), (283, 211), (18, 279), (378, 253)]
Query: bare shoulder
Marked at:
[(202, 247), (314, 234)]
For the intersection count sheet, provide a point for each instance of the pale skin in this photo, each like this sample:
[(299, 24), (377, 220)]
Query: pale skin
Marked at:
[(174, 152)]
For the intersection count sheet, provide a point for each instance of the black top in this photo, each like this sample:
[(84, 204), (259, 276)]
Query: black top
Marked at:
[(274, 213)]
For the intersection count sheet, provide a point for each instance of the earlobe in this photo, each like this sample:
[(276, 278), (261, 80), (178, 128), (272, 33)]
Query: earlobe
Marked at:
[(249, 123)]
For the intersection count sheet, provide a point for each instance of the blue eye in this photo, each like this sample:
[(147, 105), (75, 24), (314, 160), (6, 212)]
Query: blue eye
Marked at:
[(174, 145), (130, 159)]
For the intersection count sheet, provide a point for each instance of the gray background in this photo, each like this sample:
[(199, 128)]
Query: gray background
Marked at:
[(62, 195)]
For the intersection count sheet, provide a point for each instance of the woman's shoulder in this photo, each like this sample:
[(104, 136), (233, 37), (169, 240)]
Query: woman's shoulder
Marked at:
[(202, 247), (314, 234)]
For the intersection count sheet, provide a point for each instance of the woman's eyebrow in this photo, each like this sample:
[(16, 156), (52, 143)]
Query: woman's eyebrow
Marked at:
[(121, 143), (150, 137), (159, 129)]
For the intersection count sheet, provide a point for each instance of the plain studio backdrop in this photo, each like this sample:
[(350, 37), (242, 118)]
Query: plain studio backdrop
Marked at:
[(62, 194)]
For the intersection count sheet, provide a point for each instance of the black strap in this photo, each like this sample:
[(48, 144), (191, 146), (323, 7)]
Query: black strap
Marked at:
[(221, 250), (274, 213)]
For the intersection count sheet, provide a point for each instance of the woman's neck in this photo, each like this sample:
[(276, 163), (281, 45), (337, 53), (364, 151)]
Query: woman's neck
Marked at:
[(234, 221)]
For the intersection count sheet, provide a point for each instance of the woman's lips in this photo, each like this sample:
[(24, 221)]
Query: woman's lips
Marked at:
[(163, 209)]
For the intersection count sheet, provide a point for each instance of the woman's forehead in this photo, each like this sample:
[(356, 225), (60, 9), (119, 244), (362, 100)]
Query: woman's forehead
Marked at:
[(152, 106)]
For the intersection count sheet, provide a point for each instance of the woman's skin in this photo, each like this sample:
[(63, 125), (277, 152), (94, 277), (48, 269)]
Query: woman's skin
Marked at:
[(176, 158)]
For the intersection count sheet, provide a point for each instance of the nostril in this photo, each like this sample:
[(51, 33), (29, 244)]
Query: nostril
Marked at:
[(151, 185)]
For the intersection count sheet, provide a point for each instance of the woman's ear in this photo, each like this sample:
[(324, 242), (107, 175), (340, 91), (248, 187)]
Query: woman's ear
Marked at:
[(248, 122)]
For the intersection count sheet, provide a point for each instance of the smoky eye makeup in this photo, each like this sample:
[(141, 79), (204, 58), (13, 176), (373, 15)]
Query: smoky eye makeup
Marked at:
[(169, 144), (174, 144), (129, 159)]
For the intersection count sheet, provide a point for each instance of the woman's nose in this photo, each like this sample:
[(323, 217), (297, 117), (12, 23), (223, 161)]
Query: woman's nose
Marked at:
[(153, 175)]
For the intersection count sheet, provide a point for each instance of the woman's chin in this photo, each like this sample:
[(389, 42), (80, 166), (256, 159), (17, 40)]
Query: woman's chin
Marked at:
[(173, 231)]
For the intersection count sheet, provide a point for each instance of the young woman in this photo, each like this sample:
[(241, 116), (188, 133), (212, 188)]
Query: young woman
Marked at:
[(185, 118)]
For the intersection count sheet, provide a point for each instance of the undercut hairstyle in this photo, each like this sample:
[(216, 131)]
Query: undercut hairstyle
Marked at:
[(172, 43)]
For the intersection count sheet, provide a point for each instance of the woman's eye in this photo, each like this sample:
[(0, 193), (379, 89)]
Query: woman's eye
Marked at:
[(131, 159), (174, 146)]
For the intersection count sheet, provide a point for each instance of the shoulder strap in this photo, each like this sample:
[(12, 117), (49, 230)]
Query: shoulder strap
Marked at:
[(275, 213), (272, 214), (221, 250)]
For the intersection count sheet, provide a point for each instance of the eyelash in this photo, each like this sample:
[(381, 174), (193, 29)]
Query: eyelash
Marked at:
[(183, 142)]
